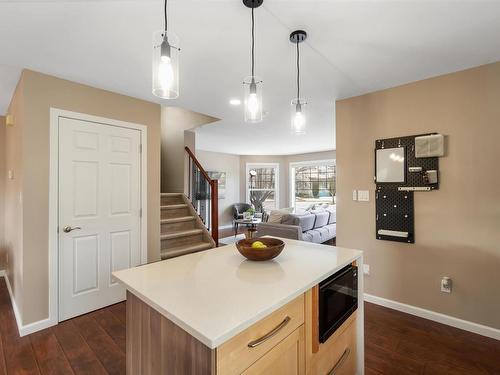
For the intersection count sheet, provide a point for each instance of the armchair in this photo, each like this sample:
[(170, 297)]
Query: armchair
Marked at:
[(238, 209)]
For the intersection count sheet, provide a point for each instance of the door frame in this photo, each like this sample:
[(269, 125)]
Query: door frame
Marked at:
[(53, 269)]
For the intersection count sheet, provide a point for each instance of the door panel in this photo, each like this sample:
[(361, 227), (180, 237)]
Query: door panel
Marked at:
[(85, 188), (99, 196), (85, 264), (120, 252), (120, 188)]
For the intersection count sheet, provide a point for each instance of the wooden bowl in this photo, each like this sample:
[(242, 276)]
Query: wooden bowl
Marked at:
[(273, 249)]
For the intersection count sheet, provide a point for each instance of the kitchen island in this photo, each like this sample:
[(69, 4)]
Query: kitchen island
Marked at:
[(214, 312)]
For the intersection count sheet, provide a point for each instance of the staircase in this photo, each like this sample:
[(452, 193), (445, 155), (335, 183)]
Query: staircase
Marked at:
[(182, 230)]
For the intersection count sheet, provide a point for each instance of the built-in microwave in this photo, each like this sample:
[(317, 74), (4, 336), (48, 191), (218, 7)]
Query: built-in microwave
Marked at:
[(338, 299)]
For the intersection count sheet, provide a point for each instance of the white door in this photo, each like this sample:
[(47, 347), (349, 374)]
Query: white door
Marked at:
[(99, 212)]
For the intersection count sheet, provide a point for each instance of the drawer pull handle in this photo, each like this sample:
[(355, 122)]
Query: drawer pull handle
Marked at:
[(341, 361), (272, 333)]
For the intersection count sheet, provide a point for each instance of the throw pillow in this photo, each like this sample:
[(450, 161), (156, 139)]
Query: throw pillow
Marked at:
[(277, 215)]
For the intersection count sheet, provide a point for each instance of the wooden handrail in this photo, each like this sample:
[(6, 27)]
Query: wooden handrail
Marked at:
[(214, 196), (203, 172)]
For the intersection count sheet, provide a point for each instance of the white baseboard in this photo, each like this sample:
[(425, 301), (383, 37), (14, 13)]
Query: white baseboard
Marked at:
[(480, 329), (28, 328)]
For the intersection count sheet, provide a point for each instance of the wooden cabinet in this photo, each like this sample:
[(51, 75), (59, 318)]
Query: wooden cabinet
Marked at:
[(239, 353), (338, 354), (284, 342), (287, 357)]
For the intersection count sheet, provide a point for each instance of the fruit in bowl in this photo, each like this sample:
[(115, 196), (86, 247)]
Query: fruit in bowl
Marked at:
[(264, 248), (259, 245)]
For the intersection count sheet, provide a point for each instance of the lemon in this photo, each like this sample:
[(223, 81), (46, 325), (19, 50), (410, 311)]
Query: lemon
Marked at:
[(258, 245)]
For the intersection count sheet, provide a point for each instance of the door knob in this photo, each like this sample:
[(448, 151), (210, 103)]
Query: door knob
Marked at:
[(68, 228)]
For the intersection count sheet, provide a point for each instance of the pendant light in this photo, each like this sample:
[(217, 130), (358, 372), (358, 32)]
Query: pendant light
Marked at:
[(165, 62), (253, 84), (298, 104)]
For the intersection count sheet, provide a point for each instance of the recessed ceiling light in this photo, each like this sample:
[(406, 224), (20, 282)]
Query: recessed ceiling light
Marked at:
[(235, 102)]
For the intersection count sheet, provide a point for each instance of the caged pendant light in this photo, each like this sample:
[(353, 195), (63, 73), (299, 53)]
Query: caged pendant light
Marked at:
[(165, 62), (253, 85), (298, 122)]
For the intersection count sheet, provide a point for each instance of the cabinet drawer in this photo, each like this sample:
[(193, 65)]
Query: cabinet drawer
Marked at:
[(239, 353), (338, 352), (287, 357)]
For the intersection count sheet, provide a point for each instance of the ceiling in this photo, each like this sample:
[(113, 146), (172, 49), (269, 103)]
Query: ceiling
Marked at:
[(354, 47)]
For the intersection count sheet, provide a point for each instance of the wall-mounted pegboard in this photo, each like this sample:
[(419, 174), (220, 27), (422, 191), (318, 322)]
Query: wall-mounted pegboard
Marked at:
[(394, 193), (394, 221), (415, 181)]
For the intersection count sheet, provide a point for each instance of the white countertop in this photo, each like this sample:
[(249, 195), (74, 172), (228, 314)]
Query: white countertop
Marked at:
[(215, 294)]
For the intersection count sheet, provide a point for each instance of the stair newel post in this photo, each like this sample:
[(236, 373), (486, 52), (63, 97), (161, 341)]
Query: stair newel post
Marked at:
[(215, 211)]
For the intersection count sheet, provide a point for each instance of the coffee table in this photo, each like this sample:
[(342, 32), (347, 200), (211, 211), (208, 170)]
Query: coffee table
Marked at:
[(251, 224)]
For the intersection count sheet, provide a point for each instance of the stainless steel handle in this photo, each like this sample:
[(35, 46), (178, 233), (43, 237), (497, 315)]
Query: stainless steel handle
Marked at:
[(340, 362), (68, 228), (272, 333)]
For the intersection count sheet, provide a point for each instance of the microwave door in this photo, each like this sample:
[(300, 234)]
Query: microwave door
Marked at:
[(338, 299)]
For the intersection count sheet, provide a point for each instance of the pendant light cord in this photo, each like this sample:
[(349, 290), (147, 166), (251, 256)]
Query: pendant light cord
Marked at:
[(253, 43), (298, 72), (165, 11)]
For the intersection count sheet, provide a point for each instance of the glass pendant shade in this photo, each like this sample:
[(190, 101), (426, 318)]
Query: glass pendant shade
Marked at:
[(165, 65), (253, 99), (298, 116)]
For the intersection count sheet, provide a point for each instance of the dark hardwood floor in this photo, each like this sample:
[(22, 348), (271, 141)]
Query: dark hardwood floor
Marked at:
[(396, 343)]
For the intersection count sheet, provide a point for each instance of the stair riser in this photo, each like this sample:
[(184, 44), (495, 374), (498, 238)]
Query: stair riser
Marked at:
[(171, 200), (176, 227), (176, 212), (180, 241)]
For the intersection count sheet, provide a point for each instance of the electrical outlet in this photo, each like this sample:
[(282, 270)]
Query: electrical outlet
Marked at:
[(366, 269), (446, 285)]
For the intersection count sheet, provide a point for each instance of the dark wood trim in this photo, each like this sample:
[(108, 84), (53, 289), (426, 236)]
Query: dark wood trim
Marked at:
[(215, 211), (155, 345)]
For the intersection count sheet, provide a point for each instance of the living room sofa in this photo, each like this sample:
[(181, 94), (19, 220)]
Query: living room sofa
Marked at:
[(316, 226)]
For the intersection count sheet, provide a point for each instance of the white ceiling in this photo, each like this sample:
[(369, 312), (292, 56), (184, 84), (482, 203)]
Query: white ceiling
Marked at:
[(354, 47)]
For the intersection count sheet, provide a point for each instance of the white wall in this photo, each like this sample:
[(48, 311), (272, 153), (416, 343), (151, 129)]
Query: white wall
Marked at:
[(229, 163)]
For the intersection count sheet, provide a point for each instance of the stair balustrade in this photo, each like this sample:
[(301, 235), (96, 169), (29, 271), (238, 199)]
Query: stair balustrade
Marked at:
[(203, 194)]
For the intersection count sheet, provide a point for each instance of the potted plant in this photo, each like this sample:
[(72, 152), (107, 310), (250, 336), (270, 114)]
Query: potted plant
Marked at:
[(248, 214)]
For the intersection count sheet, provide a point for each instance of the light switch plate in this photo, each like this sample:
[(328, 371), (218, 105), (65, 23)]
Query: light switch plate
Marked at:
[(10, 174), (366, 269), (363, 195), (354, 195)]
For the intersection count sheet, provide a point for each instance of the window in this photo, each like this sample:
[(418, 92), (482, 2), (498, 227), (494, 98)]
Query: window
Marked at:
[(262, 186), (312, 183)]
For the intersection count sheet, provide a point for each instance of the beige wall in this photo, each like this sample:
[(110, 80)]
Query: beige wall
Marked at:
[(39, 93), (284, 170), (175, 121), (3, 249), (13, 209), (457, 228), (229, 163)]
